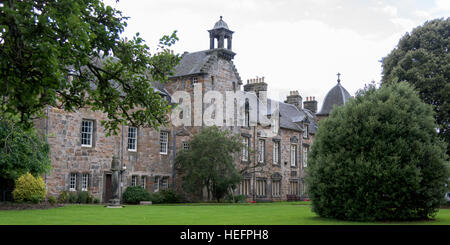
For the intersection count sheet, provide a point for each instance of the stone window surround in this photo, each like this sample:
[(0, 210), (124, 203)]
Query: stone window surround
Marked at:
[(264, 186), (291, 184), (277, 180), (247, 187)]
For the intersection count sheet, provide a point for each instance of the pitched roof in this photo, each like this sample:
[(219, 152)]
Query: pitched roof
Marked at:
[(192, 63)]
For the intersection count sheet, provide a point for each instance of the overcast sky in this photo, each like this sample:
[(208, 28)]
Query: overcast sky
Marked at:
[(295, 44)]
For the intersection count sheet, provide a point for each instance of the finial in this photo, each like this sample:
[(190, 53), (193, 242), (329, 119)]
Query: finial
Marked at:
[(221, 17), (339, 79)]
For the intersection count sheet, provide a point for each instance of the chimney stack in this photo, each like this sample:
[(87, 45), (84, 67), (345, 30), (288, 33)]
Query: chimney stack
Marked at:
[(258, 86), (294, 98), (310, 104)]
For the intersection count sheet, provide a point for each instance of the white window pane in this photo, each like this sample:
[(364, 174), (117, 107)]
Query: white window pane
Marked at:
[(132, 139)]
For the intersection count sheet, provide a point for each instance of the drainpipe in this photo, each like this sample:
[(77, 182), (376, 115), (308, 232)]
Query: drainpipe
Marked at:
[(174, 156), (121, 165), (46, 138)]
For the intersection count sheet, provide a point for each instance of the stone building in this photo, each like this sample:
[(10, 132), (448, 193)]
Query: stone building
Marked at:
[(81, 153)]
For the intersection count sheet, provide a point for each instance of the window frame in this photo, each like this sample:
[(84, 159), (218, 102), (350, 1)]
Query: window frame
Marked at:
[(245, 149), (294, 158), (134, 180), (293, 187), (276, 153), (143, 181), (305, 156), (185, 145), (245, 187), (132, 139), (74, 184), (261, 187), (166, 142), (261, 150), (156, 184), (90, 133), (278, 192), (84, 182), (305, 131)]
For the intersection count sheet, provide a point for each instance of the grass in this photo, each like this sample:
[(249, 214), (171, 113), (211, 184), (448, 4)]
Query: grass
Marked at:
[(284, 213)]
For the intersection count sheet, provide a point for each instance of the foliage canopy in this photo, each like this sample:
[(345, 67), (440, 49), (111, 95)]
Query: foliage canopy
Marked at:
[(209, 163), (70, 54), (422, 59), (378, 157)]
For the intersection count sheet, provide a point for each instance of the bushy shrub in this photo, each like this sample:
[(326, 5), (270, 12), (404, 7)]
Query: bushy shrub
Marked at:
[(83, 197), (166, 196), (378, 157), (170, 196), (156, 198), (29, 188), (237, 198), (36, 199), (63, 197), (51, 200), (90, 198), (96, 201), (72, 198), (135, 194)]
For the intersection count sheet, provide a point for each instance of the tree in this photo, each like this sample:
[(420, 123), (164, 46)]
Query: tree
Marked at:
[(422, 59), (209, 163), (21, 151), (378, 157), (69, 54)]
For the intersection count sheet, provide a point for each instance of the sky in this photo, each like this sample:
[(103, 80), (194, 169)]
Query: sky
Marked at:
[(295, 44)]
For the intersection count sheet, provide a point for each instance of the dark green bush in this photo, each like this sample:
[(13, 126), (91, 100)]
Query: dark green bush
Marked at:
[(166, 196), (170, 196), (51, 199), (63, 197), (135, 194), (96, 201), (378, 157), (237, 198), (156, 198), (83, 197), (36, 199), (72, 197)]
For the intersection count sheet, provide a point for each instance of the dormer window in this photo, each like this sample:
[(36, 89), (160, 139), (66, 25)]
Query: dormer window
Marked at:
[(305, 131)]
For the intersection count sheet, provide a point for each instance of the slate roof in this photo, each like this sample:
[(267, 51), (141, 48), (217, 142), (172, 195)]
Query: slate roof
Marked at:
[(338, 95), (292, 117), (192, 63)]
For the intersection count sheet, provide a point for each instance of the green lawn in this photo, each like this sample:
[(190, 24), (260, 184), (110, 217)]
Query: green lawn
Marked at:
[(187, 214)]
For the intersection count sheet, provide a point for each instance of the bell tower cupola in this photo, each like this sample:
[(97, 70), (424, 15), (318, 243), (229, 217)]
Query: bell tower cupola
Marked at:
[(220, 32)]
